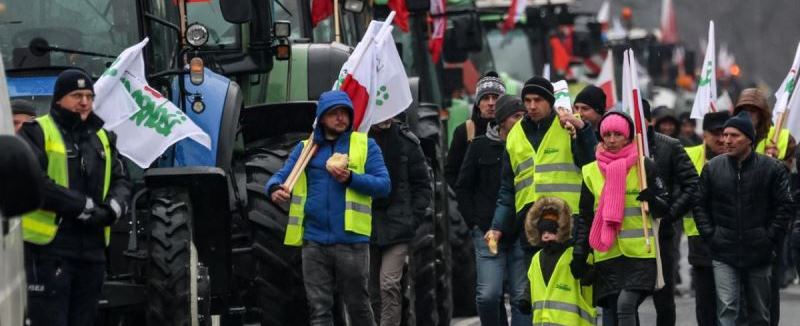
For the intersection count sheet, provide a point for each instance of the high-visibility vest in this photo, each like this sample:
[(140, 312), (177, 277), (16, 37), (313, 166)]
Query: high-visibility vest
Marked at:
[(40, 226), (548, 172), (358, 207), (697, 155), (783, 142), (630, 241), (562, 301)]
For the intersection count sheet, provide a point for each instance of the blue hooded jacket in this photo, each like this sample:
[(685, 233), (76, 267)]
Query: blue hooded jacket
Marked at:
[(324, 210)]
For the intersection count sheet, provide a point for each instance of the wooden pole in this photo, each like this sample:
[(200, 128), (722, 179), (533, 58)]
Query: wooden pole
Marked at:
[(336, 28), (778, 128), (643, 185)]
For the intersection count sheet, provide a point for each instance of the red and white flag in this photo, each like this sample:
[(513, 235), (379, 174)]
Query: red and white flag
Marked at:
[(515, 12), (607, 82), (374, 77), (632, 98), (705, 100), (669, 29), (320, 10), (436, 44)]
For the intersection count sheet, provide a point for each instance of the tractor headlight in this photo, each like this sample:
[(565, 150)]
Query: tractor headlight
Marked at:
[(196, 35), (282, 29)]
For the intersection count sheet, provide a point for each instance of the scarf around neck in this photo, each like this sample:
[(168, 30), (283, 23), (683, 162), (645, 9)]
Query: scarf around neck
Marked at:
[(611, 208)]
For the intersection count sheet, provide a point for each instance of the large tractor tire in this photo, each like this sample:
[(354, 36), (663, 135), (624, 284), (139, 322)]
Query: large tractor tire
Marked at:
[(423, 272), (278, 274), (462, 252), (171, 260)]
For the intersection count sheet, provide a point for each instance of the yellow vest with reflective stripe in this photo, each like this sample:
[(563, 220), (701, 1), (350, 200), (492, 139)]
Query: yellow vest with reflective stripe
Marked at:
[(550, 172), (358, 207), (783, 142), (697, 155), (630, 241), (563, 301), (40, 227)]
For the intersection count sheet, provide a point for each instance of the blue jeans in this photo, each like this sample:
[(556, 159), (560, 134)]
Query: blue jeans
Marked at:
[(510, 266), (731, 294)]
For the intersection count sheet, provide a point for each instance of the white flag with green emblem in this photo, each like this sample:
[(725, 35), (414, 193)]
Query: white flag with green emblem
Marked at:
[(146, 122), (787, 87), (561, 93), (705, 100)]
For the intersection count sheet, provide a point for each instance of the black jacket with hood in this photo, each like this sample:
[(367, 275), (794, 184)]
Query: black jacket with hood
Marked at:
[(744, 208), (86, 170), (479, 179), (459, 144), (395, 218)]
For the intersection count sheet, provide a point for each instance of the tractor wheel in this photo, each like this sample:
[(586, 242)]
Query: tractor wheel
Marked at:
[(278, 275), (463, 257), (170, 282), (423, 272)]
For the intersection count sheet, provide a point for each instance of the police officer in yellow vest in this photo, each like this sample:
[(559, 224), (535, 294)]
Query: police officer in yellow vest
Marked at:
[(541, 159), (557, 295), (699, 253), (330, 213), (611, 222), (754, 102), (86, 191)]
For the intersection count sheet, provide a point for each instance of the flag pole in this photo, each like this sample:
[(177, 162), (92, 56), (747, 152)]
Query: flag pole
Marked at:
[(336, 28), (311, 147), (642, 186)]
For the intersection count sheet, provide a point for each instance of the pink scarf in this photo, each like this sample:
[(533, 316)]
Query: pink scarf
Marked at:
[(611, 210)]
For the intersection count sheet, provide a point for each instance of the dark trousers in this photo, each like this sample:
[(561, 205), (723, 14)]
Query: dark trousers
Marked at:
[(623, 310), (62, 291), (705, 295), (339, 268), (664, 299)]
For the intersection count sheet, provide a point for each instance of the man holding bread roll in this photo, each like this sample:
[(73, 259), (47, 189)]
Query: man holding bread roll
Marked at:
[(330, 212)]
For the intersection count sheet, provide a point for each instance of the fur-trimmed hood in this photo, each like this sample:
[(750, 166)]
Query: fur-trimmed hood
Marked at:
[(554, 204)]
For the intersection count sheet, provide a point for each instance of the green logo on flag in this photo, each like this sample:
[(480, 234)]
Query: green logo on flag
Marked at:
[(383, 95), (562, 95), (707, 76), (152, 115), (790, 85)]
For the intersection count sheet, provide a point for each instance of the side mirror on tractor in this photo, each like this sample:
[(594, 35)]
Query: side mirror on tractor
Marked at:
[(464, 34), (236, 11)]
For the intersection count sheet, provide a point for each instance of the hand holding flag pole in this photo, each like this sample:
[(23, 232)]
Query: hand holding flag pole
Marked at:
[(783, 96), (310, 148)]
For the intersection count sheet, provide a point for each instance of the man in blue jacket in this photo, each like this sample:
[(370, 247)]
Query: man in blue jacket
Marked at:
[(330, 214)]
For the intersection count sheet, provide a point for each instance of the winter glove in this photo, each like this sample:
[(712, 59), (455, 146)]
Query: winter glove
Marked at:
[(88, 208), (105, 214), (578, 266), (658, 205)]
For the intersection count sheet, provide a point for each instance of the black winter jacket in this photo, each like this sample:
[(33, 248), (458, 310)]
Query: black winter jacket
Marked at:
[(744, 208), (86, 166), (479, 181), (459, 144), (395, 218), (679, 176)]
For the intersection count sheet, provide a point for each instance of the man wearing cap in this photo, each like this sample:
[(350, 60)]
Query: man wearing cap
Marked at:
[(745, 205), (590, 104), (23, 111), (489, 88), (476, 191), (699, 256), (86, 190)]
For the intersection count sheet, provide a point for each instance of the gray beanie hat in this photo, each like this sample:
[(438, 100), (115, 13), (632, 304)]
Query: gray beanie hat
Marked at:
[(490, 83)]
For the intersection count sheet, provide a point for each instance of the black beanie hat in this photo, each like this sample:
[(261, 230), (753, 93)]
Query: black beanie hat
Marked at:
[(506, 106), (742, 122), (71, 80), (547, 225), (490, 83), (594, 97), (539, 86), (715, 120), (20, 106)]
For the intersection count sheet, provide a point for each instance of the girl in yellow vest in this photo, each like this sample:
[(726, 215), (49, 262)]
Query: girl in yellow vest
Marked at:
[(558, 296), (611, 222)]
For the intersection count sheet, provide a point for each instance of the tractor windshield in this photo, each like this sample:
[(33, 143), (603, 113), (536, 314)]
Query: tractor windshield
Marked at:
[(99, 29), (221, 34)]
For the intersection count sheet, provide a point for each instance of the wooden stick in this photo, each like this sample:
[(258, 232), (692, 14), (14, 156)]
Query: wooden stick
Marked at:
[(298, 167), (336, 30), (312, 150), (779, 127), (642, 186)]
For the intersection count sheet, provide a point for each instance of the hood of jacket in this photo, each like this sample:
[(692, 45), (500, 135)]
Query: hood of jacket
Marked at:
[(328, 101), (543, 205)]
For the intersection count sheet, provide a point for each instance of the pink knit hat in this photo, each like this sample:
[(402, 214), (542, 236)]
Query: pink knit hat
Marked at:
[(615, 122)]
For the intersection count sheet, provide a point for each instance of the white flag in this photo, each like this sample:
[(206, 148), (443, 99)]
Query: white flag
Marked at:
[(561, 93), (793, 119), (146, 122), (705, 100), (632, 98), (603, 13), (606, 81), (786, 88)]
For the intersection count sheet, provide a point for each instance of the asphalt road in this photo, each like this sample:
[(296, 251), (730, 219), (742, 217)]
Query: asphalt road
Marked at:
[(790, 301)]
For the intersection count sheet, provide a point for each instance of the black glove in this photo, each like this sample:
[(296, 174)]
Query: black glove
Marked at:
[(657, 204), (101, 215), (578, 266), (524, 306), (646, 195)]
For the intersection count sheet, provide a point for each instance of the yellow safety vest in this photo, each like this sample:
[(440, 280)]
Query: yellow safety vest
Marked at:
[(563, 301), (697, 155), (630, 241), (550, 172), (783, 142), (40, 227), (358, 207)]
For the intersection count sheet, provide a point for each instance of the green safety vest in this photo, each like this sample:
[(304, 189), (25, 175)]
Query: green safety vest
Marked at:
[(40, 226), (563, 301), (630, 241), (783, 142), (553, 174), (696, 154), (358, 207)]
